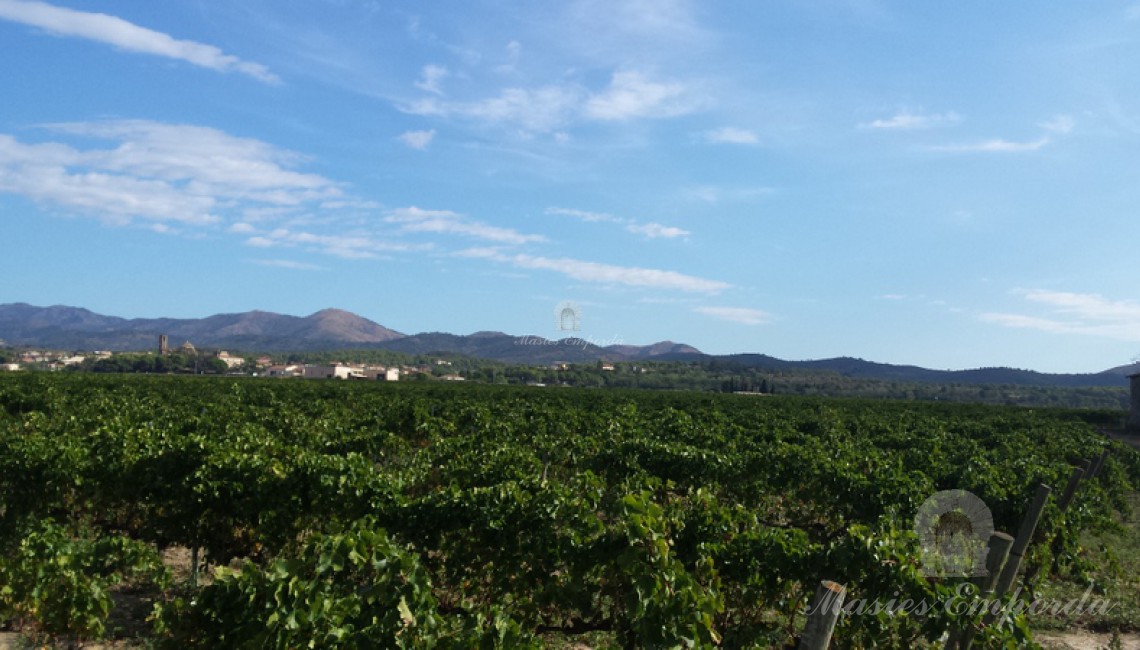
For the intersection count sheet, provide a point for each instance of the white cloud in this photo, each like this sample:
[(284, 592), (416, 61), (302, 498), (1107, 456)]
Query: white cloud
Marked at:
[(414, 219), (995, 146), (127, 36), (614, 31), (656, 230), (583, 214), (347, 246), (241, 228), (1062, 124), (1076, 313), (160, 174), (906, 120), (732, 135), (632, 94), (538, 110), (510, 65), (648, 230), (551, 108), (418, 139), (156, 172), (290, 264), (34, 171), (716, 194), (736, 314), (605, 273), (431, 78), (205, 159)]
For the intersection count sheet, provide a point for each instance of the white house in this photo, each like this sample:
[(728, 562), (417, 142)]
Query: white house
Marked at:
[(334, 371), (230, 360)]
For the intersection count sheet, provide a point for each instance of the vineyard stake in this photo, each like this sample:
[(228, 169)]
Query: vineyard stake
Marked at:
[(194, 567), (1058, 541), (1098, 464), (1017, 552), (1024, 535), (999, 545), (823, 615), (1074, 481)]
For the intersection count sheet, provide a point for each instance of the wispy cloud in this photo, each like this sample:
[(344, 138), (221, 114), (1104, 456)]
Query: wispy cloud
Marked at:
[(731, 135), (201, 179), (656, 230), (551, 108), (907, 120), (431, 79), (742, 315), (290, 264), (616, 30), (413, 219), (128, 36), (204, 159), (352, 246), (997, 145), (717, 194), (647, 230), (1076, 313), (538, 110), (1062, 124), (633, 94), (583, 214), (418, 139), (604, 273), (155, 172), (241, 228)]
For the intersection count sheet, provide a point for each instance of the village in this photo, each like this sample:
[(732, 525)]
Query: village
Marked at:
[(260, 366)]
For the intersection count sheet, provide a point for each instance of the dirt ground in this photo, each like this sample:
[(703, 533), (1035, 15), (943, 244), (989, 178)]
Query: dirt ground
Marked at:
[(1085, 640)]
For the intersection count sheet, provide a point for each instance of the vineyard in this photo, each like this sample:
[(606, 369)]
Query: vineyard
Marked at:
[(356, 515)]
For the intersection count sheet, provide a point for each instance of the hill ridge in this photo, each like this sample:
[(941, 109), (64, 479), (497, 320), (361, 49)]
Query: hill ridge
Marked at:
[(78, 328)]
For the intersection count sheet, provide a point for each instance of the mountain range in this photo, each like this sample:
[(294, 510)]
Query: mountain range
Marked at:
[(74, 328)]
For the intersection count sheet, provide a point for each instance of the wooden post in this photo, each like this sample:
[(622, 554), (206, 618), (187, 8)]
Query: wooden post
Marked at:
[(194, 567), (1074, 481), (1017, 551), (1098, 465), (999, 546), (1024, 536), (1058, 541), (823, 615)]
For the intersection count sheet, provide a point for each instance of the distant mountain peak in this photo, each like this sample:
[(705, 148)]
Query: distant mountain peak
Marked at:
[(76, 328), (333, 311)]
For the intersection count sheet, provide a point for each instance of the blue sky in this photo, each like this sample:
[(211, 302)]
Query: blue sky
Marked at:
[(949, 185)]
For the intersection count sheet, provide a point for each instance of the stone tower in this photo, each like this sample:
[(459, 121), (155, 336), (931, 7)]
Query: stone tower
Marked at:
[(162, 344)]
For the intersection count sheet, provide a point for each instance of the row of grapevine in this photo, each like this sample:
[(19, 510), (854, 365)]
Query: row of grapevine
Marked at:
[(460, 516)]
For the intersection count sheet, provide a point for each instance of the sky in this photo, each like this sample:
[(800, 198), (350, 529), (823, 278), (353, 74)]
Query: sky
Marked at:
[(950, 185)]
